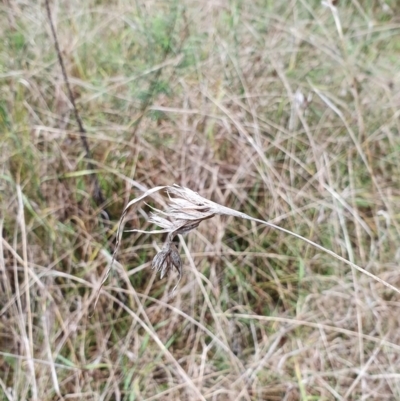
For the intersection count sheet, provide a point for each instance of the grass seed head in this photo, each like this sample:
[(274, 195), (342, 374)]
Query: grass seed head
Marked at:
[(166, 259)]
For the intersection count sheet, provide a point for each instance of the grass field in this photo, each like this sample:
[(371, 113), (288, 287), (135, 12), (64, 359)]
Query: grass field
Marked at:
[(285, 110)]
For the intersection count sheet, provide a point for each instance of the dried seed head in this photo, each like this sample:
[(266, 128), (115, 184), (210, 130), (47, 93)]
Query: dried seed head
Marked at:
[(167, 258), (185, 211)]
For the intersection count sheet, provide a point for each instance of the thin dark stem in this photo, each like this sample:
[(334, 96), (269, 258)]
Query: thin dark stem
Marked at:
[(98, 195)]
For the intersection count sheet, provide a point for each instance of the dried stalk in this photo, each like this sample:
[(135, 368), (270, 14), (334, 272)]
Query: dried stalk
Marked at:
[(98, 195), (186, 210)]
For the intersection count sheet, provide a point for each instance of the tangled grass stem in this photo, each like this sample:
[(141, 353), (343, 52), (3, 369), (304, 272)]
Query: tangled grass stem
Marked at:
[(186, 210)]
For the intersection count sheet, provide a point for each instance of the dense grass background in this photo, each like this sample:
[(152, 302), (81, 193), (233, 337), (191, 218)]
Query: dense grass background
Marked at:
[(285, 110)]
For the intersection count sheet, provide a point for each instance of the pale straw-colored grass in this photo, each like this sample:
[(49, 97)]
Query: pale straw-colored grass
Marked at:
[(283, 111)]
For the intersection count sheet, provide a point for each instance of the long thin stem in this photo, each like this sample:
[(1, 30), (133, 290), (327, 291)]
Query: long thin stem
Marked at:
[(98, 195), (321, 248)]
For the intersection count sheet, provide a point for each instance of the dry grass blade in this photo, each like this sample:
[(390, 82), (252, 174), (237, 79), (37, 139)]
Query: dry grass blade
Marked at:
[(187, 209)]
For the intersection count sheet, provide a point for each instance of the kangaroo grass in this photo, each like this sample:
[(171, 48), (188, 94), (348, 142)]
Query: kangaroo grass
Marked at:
[(186, 210)]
